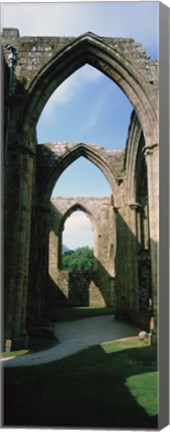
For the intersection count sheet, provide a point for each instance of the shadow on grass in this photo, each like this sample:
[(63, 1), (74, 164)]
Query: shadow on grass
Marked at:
[(36, 345), (89, 389)]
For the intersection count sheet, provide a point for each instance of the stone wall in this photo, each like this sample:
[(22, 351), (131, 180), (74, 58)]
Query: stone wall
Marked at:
[(53, 158), (31, 172), (51, 284), (81, 289)]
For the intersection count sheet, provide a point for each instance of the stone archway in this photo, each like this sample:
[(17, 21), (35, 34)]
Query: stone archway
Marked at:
[(48, 216), (54, 158), (108, 56), (142, 197), (71, 206), (100, 289), (127, 64), (62, 208)]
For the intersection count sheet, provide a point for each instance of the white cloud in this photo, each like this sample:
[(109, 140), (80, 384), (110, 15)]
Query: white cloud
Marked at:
[(100, 107), (138, 19), (37, 19), (78, 231), (64, 93), (68, 89), (89, 74)]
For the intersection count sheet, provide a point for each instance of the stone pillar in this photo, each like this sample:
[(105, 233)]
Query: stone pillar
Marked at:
[(19, 223), (152, 161), (43, 259), (53, 253), (36, 264), (127, 275), (136, 239), (121, 263)]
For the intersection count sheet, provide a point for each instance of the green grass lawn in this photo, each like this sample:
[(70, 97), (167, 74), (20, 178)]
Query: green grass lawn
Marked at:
[(110, 385), (35, 345)]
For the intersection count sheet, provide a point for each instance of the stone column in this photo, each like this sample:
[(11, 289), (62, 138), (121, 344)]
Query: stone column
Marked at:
[(37, 263), (122, 262), (20, 226), (152, 160), (135, 229), (53, 253)]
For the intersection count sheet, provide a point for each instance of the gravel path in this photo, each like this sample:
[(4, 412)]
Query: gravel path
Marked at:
[(74, 336)]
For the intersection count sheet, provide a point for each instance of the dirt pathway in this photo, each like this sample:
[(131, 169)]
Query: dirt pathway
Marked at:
[(74, 336)]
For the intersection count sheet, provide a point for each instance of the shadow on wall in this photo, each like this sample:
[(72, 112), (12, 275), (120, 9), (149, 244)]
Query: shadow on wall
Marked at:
[(81, 288), (130, 289), (133, 272), (128, 292), (47, 285)]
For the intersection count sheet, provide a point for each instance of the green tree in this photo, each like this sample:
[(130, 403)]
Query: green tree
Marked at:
[(81, 259)]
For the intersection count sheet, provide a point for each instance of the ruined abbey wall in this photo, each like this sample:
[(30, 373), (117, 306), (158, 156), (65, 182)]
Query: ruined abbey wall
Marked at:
[(31, 171), (101, 214)]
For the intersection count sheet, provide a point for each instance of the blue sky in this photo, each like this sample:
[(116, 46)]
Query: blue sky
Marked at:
[(87, 107), (138, 20)]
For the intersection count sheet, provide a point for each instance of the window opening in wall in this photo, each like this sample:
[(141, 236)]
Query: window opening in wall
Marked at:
[(87, 107), (77, 243), (72, 188), (82, 178)]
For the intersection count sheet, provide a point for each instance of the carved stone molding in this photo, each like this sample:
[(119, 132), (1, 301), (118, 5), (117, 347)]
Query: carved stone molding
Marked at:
[(135, 206), (148, 150)]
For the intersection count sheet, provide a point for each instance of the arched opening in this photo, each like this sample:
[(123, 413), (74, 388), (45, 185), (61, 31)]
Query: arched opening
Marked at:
[(87, 107), (88, 187), (62, 159), (92, 50), (89, 49), (84, 283), (133, 77), (73, 153), (81, 178), (77, 243), (77, 231), (113, 63), (127, 78), (53, 282)]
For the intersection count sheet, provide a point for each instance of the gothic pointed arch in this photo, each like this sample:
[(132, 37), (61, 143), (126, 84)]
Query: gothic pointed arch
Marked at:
[(51, 165), (70, 208), (108, 56), (78, 207)]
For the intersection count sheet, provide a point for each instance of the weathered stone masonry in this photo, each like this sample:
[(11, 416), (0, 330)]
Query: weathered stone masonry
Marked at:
[(31, 172), (101, 213), (52, 159)]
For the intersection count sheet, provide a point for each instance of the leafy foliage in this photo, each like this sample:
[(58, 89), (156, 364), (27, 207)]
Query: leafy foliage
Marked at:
[(80, 259)]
